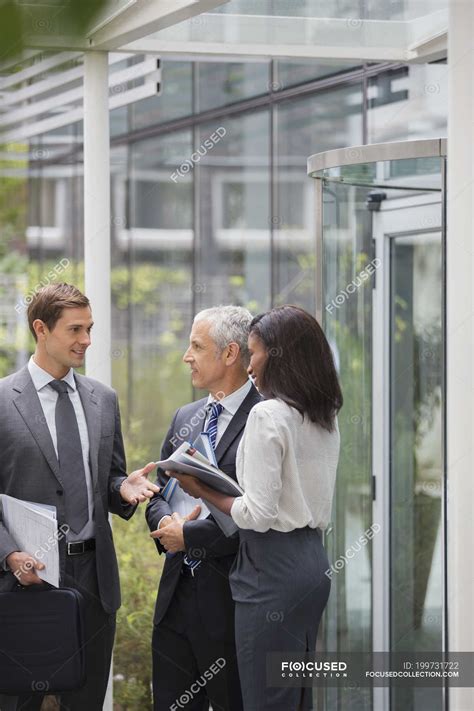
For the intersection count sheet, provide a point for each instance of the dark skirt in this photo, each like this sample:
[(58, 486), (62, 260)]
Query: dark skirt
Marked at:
[(280, 590)]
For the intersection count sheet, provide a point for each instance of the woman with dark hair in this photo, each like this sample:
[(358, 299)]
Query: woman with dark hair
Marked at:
[(286, 465)]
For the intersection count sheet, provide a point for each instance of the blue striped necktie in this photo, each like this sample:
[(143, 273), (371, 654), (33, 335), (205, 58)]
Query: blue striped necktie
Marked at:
[(215, 410)]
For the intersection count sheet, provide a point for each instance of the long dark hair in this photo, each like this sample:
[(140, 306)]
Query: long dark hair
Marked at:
[(300, 368)]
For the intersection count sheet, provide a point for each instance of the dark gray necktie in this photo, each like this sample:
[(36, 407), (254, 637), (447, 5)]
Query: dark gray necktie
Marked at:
[(71, 464)]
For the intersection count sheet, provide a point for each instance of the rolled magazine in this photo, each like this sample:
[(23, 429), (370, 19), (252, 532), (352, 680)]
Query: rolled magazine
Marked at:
[(188, 460)]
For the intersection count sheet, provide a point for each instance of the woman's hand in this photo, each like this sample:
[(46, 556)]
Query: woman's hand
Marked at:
[(190, 484)]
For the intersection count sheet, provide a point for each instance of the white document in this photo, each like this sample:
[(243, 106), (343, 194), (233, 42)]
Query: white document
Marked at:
[(181, 502), (34, 528)]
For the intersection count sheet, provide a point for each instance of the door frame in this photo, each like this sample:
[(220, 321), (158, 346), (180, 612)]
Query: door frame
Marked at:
[(430, 204)]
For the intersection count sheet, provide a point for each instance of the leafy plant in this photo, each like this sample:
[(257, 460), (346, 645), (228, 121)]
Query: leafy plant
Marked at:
[(20, 20), (140, 569)]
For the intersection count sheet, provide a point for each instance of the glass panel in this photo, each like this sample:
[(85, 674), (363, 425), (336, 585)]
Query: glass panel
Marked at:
[(417, 460), (14, 197), (297, 71), (55, 201), (175, 99), (304, 25), (119, 121), (411, 174), (347, 250), (367, 9), (225, 82), (408, 103), (351, 217), (330, 120), (152, 241), (232, 160), (152, 291)]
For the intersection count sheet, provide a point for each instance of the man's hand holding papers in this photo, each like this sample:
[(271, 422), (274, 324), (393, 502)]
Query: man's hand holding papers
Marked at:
[(33, 527), (23, 567)]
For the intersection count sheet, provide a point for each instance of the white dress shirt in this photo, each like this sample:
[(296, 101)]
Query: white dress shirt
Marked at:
[(230, 405), (48, 397), (287, 469)]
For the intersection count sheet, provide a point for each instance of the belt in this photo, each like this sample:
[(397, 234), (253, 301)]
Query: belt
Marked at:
[(80, 547)]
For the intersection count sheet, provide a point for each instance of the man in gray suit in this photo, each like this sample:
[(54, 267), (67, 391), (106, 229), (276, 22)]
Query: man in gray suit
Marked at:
[(62, 445)]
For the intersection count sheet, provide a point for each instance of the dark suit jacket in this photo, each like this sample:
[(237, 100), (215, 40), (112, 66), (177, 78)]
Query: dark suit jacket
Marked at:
[(203, 538), (29, 468)]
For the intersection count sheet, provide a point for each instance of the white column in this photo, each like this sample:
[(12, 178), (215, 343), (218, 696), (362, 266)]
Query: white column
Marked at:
[(460, 338), (97, 211), (97, 224)]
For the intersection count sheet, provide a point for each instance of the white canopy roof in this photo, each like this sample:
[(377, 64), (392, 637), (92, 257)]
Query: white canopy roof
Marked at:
[(362, 30), (408, 30)]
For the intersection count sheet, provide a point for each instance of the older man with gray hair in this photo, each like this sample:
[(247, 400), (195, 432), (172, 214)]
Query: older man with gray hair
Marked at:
[(194, 657)]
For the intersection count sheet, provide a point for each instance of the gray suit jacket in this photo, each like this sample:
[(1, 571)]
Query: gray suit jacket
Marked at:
[(29, 468)]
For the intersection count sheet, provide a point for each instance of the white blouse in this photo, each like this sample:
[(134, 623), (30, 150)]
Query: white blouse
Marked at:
[(287, 469)]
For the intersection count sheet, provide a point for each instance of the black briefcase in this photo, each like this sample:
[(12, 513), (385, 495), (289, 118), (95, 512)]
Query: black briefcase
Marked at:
[(41, 640)]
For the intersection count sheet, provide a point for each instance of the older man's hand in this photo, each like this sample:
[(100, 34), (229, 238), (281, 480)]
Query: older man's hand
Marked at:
[(171, 534)]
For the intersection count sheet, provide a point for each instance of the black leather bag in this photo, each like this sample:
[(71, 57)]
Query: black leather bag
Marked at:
[(41, 641)]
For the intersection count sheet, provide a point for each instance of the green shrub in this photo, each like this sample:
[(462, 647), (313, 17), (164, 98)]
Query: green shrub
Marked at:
[(140, 570)]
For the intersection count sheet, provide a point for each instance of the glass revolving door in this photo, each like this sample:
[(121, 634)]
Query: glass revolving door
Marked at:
[(380, 217)]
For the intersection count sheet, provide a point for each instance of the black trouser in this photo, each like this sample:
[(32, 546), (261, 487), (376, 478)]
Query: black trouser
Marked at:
[(99, 641), (190, 668)]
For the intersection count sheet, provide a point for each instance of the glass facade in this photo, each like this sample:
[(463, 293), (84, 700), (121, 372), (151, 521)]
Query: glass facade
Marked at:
[(174, 100), (218, 209), (222, 83), (233, 249), (330, 119)]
